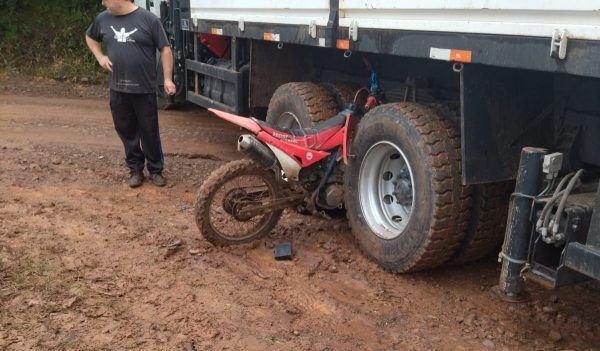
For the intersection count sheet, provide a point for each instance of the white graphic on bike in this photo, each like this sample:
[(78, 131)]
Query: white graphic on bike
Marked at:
[(122, 36)]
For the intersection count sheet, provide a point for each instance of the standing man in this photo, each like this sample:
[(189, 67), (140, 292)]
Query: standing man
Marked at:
[(132, 36)]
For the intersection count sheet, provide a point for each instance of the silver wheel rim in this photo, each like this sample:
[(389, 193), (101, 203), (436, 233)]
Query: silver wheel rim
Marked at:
[(385, 190)]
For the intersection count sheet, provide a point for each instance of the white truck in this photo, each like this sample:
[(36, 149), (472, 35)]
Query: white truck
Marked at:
[(468, 85)]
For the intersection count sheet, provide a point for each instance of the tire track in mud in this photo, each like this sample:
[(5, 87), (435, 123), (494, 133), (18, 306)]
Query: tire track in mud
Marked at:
[(84, 263)]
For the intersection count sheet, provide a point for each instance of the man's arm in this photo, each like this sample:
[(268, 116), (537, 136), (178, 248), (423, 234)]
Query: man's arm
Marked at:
[(96, 49), (166, 56)]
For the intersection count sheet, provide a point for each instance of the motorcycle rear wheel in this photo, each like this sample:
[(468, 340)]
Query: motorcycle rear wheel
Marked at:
[(236, 185)]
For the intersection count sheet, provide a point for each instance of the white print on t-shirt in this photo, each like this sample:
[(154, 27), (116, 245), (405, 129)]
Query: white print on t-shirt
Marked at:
[(122, 36)]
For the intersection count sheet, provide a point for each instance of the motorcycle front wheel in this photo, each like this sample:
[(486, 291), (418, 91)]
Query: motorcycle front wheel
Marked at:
[(235, 186)]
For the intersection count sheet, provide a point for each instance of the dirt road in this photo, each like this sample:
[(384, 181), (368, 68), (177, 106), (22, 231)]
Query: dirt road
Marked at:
[(88, 264)]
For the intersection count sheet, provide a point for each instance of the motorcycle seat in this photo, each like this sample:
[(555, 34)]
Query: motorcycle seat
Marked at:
[(336, 121)]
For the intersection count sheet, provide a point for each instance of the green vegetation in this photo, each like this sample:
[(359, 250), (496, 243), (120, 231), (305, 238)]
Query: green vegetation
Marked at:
[(46, 38)]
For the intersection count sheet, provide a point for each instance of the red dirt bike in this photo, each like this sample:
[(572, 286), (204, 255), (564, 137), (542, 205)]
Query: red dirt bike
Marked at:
[(301, 168)]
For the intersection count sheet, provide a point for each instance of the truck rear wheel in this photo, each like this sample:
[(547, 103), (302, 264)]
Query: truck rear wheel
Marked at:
[(401, 189), (300, 104), (485, 224), (485, 231)]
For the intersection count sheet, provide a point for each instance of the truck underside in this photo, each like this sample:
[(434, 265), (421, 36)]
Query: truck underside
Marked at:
[(488, 94)]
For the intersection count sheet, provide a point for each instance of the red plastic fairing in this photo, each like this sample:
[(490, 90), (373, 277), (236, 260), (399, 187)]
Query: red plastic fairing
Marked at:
[(349, 129), (243, 122), (217, 44), (336, 140), (304, 156), (311, 141)]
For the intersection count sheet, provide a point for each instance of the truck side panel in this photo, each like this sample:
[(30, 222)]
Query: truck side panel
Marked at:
[(504, 17), (262, 11), (509, 82)]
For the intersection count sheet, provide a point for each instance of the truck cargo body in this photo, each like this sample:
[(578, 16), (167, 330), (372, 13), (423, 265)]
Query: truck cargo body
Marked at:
[(503, 33), (411, 38)]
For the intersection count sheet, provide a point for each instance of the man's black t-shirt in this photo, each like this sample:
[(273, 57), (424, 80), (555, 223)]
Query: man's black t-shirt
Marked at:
[(132, 40)]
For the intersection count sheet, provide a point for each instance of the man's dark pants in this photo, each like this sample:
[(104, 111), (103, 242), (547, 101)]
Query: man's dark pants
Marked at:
[(136, 120)]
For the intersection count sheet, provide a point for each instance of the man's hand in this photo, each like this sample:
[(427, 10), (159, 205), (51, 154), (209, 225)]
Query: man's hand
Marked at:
[(169, 87), (105, 63), (96, 49), (166, 56)]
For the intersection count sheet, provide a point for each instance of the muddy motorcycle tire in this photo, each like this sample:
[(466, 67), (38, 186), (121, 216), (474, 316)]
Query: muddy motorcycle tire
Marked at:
[(205, 212), (301, 104), (406, 144)]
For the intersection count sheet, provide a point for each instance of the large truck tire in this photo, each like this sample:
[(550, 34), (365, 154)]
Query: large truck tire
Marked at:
[(462, 194), (487, 225), (343, 93), (403, 199), (301, 104)]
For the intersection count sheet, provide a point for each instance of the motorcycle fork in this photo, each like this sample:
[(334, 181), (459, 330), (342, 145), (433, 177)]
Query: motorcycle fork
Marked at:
[(312, 205)]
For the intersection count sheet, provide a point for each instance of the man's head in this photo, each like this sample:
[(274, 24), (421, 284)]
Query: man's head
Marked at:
[(118, 7)]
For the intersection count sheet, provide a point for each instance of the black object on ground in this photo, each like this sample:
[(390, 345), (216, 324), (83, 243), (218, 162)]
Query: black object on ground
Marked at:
[(283, 251)]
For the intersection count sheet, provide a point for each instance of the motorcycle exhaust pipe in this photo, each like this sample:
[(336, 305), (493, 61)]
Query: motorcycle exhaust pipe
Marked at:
[(249, 146)]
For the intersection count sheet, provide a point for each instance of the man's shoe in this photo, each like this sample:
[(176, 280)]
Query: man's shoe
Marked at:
[(158, 179), (136, 179)]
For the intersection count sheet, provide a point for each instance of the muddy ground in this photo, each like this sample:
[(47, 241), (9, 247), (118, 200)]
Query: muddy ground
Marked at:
[(86, 262)]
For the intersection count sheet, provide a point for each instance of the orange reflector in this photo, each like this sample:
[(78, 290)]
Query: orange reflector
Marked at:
[(460, 55), (271, 36), (342, 44)]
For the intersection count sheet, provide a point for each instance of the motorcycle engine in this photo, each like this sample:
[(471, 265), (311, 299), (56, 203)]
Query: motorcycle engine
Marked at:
[(332, 197)]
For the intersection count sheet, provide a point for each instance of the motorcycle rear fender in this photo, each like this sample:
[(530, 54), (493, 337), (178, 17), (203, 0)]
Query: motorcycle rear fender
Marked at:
[(244, 122)]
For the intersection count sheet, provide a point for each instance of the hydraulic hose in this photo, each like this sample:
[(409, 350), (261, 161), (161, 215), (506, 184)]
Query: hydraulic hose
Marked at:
[(544, 220), (563, 201)]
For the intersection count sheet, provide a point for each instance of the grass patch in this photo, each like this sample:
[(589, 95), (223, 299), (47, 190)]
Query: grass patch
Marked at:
[(46, 39)]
